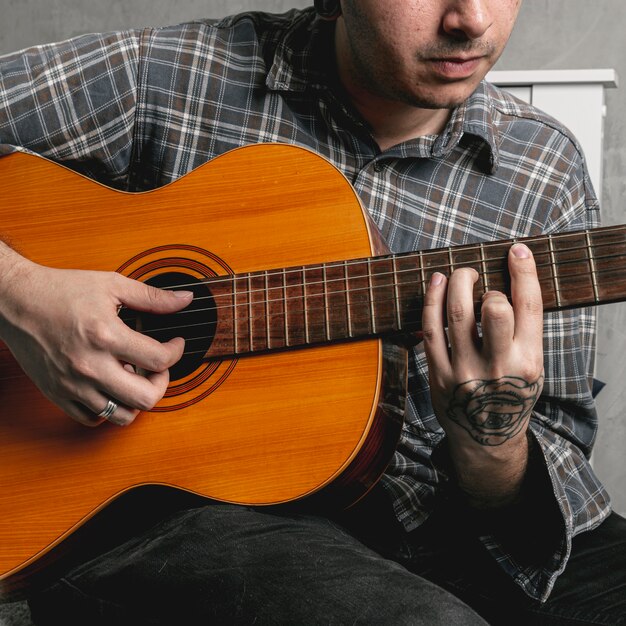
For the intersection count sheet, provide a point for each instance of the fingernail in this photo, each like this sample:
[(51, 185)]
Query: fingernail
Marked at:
[(183, 294), (436, 279), (520, 251)]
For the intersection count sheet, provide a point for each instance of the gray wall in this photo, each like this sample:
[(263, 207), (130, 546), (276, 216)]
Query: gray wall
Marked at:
[(578, 34), (551, 34)]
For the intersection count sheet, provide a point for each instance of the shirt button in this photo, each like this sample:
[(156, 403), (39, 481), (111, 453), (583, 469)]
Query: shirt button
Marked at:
[(378, 166)]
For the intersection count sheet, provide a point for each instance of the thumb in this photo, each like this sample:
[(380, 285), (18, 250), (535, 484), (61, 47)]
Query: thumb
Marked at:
[(141, 297)]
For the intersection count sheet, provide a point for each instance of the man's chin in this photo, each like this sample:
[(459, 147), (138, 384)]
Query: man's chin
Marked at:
[(448, 98)]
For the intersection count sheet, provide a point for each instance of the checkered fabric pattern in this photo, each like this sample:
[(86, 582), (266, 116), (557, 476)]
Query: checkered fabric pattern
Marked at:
[(139, 109)]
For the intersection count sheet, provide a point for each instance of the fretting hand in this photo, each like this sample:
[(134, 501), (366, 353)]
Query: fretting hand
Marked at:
[(483, 389)]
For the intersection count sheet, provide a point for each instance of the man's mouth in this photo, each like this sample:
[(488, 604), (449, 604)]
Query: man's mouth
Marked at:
[(456, 68)]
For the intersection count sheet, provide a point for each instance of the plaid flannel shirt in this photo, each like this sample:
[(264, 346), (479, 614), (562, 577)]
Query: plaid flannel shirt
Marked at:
[(138, 109)]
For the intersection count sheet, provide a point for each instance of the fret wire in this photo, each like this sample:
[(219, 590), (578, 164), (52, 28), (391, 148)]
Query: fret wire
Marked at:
[(348, 304), (235, 321), (307, 335), (396, 291), (450, 261), (268, 330), (592, 267), (557, 291), (420, 256), (250, 341), (483, 265), (370, 287), (326, 311), (285, 317)]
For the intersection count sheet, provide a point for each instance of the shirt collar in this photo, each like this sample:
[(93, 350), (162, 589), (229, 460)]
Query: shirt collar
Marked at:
[(474, 118), (303, 56), (301, 63)]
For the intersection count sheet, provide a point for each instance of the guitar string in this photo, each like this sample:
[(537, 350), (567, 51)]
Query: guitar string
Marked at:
[(298, 310), (486, 246), (191, 352), (343, 279), (249, 321), (228, 279), (343, 305), (375, 286), (597, 272)]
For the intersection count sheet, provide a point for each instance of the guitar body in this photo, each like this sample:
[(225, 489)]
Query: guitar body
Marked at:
[(263, 430)]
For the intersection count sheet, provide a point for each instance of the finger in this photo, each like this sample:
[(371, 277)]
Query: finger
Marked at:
[(460, 309), (141, 297), (433, 326), (134, 392), (145, 352), (83, 415), (498, 323), (80, 413), (525, 295), (143, 394), (97, 402)]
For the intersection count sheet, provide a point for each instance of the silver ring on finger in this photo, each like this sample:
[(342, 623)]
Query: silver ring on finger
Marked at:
[(108, 410)]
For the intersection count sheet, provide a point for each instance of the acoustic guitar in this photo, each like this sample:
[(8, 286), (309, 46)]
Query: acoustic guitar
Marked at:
[(281, 257)]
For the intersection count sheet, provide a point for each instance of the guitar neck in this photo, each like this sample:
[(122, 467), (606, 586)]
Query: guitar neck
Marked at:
[(379, 296)]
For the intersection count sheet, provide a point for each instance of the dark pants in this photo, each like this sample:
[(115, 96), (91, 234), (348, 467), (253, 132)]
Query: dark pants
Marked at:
[(222, 564)]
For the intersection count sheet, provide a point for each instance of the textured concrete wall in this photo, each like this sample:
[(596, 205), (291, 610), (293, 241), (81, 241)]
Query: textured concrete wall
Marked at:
[(551, 34), (28, 22)]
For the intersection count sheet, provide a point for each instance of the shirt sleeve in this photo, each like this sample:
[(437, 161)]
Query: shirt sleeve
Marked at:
[(73, 102), (564, 497)]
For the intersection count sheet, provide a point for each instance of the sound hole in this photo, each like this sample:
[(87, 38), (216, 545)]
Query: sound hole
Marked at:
[(196, 324)]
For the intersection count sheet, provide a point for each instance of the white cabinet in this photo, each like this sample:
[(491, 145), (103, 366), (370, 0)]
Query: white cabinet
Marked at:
[(574, 97)]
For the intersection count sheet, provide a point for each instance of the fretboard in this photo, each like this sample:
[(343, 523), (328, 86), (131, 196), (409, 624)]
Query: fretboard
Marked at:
[(378, 296)]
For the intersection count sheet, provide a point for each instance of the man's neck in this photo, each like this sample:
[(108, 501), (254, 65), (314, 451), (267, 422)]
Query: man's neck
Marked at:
[(395, 122), (392, 120)]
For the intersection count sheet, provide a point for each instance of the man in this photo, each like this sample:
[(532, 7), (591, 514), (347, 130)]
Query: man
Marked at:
[(392, 93)]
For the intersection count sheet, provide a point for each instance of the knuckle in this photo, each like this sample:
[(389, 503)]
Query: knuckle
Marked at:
[(118, 281), (456, 314), (534, 307), (82, 367), (159, 363), (530, 371), (153, 295), (497, 310), (98, 333), (428, 333), (116, 278), (147, 401)]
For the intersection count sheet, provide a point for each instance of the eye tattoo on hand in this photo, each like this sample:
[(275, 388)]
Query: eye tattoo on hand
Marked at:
[(493, 411)]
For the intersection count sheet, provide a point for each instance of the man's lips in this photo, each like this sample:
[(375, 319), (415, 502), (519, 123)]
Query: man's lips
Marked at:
[(456, 68)]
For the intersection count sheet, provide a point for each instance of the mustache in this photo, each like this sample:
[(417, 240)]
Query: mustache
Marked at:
[(454, 47)]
